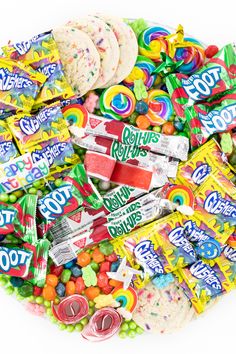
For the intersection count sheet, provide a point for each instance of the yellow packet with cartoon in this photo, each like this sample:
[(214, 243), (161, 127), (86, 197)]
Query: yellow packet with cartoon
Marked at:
[(29, 130), (41, 53), (205, 280), (19, 86), (158, 248), (8, 150), (206, 160)]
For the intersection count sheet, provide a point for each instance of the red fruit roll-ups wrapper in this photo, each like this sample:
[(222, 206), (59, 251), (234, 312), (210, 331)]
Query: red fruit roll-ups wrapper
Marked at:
[(174, 146), (15, 261)]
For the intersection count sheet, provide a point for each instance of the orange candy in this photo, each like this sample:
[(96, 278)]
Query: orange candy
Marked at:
[(168, 128), (98, 256), (83, 259), (49, 293), (115, 283), (142, 122), (70, 288), (92, 292), (52, 280)]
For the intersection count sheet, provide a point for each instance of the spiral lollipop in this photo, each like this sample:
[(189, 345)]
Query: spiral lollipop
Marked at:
[(193, 56), (143, 70), (152, 42), (75, 114), (160, 107), (117, 102)]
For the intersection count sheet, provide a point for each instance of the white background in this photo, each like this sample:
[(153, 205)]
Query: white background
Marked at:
[(212, 21)]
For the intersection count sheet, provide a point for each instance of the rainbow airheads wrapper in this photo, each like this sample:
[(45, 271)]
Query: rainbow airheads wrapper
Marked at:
[(29, 130), (208, 118), (14, 261), (205, 280), (8, 150), (216, 76), (41, 53), (75, 191), (19, 85), (206, 160), (19, 218), (159, 248)]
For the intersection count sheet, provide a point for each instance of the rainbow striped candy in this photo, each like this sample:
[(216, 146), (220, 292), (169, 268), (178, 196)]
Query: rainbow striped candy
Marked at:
[(151, 42)]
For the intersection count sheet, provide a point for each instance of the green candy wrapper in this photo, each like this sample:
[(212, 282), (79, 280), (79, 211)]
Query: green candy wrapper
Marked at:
[(75, 191), (19, 218), (215, 77)]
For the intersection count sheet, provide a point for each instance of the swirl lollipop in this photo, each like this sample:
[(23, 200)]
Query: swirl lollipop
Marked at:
[(117, 102), (143, 70), (160, 107), (192, 53), (152, 42)]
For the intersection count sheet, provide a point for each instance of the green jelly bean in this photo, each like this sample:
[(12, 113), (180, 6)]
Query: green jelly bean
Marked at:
[(62, 326), (139, 330), (84, 321), (94, 266), (37, 184), (10, 290), (157, 129), (47, 303), (39, 300), (124, 326), (65, 275), (4, 197), (12, 198), (131, 333), (122, 334), (70, 328), (132, 325), (79, 327)]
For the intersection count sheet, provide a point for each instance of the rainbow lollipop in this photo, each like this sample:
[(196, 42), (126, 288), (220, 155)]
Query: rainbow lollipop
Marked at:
[(192, 52), (152, 42), (75, 114), (143, 69), (127, 298), (160, 107), (117, 102), (179, 194)]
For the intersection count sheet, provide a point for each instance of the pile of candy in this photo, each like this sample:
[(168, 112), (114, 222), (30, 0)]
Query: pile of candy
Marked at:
[(117, 171)]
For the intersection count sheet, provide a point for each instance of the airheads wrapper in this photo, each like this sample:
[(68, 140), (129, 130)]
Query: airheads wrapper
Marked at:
[(14, 261), (56, 151), (42, 54), (206, 160), (8, 150), (204, 280), (38, 266), (216, 76), (160, 247), (29, 130), (19, 85), (19, 218), (76, 190), (208, 118), (174, 146)]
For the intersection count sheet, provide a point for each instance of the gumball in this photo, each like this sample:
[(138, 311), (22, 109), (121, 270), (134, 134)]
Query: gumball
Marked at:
[(168, 128), (83, 259), (105, 267), (70, 288), (211, 50), (52, 280), (49, 293), (61, 289), (79, 285), (102, 280), (92, 292), (141, 107), (97, 255)]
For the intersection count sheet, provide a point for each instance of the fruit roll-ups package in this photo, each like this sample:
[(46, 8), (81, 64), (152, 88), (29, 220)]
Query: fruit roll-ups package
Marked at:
[(169, 145), (19, 86), (206, 160), (41, 53), (216, 76), (158, 248), (128, 153), (15, 261), (76, 190), (205, 280), (8, 150)]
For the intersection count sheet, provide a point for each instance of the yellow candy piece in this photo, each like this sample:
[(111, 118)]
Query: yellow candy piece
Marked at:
[(105, 301)]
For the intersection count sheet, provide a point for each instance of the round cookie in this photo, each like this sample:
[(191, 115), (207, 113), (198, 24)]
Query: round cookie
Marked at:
[(106, 43), (162, 310), (80, 58), (128, 48)]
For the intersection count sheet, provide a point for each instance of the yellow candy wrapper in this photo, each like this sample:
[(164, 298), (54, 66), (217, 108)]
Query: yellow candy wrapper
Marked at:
[(205, 161), (19, 86), (158, 248), (8, 150), (29, 130), (41, 53)]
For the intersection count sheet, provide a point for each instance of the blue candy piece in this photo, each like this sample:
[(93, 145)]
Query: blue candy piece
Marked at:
[(76, 271), (141, 107), (115, 266), (162, 281), (179, 126), (69, 265), (209, 249), (60, 289), (16, 282)]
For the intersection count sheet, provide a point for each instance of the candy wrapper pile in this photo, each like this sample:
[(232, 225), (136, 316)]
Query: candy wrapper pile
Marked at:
[(117, 176)]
